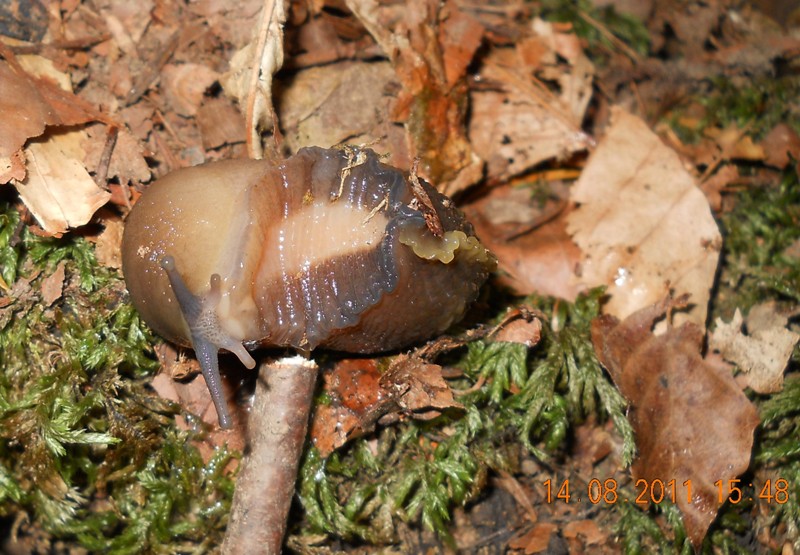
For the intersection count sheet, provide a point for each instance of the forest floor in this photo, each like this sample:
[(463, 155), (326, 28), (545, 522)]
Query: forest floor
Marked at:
[(627, 381)]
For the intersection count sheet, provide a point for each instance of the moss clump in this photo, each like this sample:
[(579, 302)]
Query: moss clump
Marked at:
[(86, 452), (422, 470)]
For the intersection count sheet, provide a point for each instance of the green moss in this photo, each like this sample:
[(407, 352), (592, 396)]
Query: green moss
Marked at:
[(753, 104), (758, 104), (85, 450), (764, 223), (423, 470), (627, 28)]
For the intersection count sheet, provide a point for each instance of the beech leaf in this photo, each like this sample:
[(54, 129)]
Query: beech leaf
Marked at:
[(693, 424), (643, 225)]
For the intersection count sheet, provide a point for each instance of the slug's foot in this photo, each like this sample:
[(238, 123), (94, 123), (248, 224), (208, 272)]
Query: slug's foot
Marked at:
[(207, 335)]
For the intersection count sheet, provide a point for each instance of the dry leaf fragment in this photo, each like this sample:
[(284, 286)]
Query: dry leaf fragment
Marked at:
[(185, 84), (587, 529), (360, 397), (418, 387), (53, 285), (58, 190), (249, 79), (692, 422), (534, 252), (762, 354), (342, 102), (520, 122), (23, 111), (431, 68), (643, 225), (781, 145), (536, 540)]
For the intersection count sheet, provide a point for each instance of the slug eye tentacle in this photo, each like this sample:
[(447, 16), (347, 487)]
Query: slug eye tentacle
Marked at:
[(207, 335)]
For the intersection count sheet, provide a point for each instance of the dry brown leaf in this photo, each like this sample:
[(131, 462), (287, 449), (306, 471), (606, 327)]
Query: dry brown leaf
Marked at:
[(533, 250), (220, 123), (588, 530), (53, 285), (429, 48), (58, 190), (185, 84), (12, 167), (781, 145), (762, 354), (352, 387), (536, 540), (524, 123), (343, 102), (520, 330), (692, 421), (23, 111), (418, 387), (643, 225), (107, 244), (252, 68), (360, 397), (128, 163)]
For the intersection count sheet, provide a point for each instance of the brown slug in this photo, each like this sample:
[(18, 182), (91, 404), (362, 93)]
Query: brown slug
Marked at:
[(331, 248)]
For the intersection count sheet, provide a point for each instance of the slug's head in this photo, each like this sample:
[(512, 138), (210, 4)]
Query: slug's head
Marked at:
[(330, 249)]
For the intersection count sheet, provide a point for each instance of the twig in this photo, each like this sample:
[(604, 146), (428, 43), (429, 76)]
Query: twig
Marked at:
[(611, 37), (276, 435), (101, 173), (151, 71)]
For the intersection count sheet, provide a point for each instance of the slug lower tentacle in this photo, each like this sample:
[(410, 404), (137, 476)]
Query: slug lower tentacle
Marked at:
[(329, 249)]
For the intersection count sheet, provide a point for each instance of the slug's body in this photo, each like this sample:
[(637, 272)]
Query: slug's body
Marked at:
[(329, 249)]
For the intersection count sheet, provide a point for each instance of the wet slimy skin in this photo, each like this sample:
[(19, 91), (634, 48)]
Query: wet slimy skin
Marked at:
[(328, 249)]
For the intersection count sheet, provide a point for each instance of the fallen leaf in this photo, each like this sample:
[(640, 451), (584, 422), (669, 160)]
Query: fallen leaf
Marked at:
[(643, 225), (533, 250), (762, 354), (343, 102), (692, 422), (520, 330), (12, 167), (429, 47), (58, 190), (351, 389), (220, 123), (185, 84), (359, 397), (262, 59), (781, 145), (519, 122), (127, 164), (53, 285), (588, 530), (108, 242), (535, 540), (23, 111), (418, 387)]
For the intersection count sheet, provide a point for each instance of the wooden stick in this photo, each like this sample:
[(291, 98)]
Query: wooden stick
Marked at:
[(276, 436)]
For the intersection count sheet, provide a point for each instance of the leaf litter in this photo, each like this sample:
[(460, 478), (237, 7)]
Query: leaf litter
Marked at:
[(513, 100)]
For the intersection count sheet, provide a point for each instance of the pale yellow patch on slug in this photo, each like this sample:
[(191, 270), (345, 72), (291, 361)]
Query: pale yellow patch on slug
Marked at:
[(446, 248)]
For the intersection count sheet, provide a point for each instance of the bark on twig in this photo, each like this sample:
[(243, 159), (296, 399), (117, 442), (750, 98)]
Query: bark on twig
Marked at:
[(276, 435)]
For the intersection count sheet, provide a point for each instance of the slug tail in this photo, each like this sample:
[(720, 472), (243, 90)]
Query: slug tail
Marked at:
[(207, 335)]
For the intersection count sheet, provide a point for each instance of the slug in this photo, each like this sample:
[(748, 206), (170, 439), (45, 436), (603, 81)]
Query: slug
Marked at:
[(330, 249)]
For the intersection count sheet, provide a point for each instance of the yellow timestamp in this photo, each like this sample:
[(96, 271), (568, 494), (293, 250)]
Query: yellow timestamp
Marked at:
[(658, 491)]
